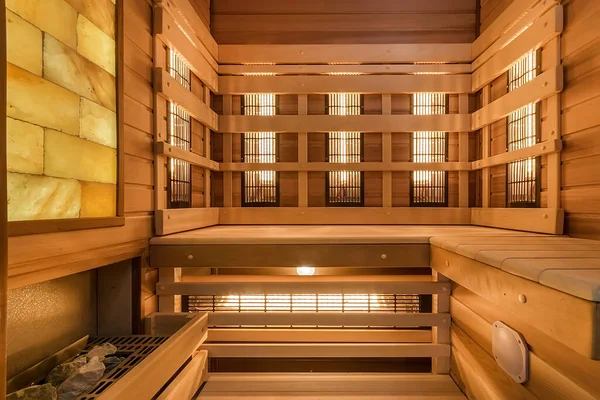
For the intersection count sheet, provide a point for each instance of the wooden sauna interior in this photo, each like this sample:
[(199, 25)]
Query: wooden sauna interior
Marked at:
[(317, 199)]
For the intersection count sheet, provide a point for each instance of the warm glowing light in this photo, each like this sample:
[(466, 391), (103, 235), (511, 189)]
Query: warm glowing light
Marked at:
[(305, 271), (304, 302)]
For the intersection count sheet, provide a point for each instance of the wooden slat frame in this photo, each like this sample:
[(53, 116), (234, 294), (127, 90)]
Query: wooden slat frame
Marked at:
[(173, 91), (184, 219), (325, 350), (160, 126), (207, 153), (541, 32), (539, 149), (345, 53), (386, 153), (172, 35), (552, 129), (303, 84), (540, 88), (227, 153), (302, 154), (380, 69), (189, 21), (347, 319), (355, 284), (351, 123), (320, 335), (573, 322), (541, 220), (188, 381), (345, 216), (463, 155), (167, 150), (366, 166), (485, 152), (152, 373)]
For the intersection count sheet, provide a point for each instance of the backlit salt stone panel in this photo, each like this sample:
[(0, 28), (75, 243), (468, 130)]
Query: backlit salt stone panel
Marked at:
[(61, 106)]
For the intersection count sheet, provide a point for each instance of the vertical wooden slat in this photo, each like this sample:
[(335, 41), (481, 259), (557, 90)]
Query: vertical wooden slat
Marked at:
[(120, 29), (386, 151), (207, 187), (440, 335), (3, 205), (485, 153), (227, 155), (552, 128), (160, 130), (463, 154), (302, 154)]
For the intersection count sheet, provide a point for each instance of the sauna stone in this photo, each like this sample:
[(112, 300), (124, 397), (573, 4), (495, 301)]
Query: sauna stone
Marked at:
[(101, 351), (63, 371), (82, 381), (39, 392)]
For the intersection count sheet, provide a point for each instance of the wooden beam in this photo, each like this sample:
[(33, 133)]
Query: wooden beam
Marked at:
[(573, 321), (486, 139), (504, 22), (173, 91), (351, 123), (289, 255), (170, 33), (325, 350), (3, 207), (170, 151), (153, 372), (227, 154), (320, 335), (540, 88), (541, 220), (386, 153), (345, 53), (345, 69), (463, 155), (366, 166), (552, 130), (541, 32), (440, 335), (302, 154), (347, 319), (188, 381), (303, 84), (225, 285), (539, 149), (344, 216), (188, 20), (509, 35), (207, 153), (160, 127), (184, 219)]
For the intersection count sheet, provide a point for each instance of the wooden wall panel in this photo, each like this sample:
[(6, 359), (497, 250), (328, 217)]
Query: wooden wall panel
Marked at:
[(342, 21)]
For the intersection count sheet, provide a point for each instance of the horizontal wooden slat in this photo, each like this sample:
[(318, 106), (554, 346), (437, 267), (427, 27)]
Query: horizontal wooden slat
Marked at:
[(345, 69), (567, 319), (289, 255), (173, 91), (319, 335), (195, 29), (244, 284), (539, 149), (509, 35), (188, 381), (502, 24), (184, 219), (325, 350), (344, 216), (541, 32), (349, 123), (168, 150), (166, 28), (542, 220), (363, 53), (149, 376), (365, 166), (540, 88), (345, 83), (328, 319)]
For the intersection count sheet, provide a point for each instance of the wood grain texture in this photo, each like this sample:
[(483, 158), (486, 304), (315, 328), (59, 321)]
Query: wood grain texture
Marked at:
[(3, 207)]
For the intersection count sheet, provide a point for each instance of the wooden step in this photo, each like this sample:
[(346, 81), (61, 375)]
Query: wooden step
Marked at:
[(224, 285)]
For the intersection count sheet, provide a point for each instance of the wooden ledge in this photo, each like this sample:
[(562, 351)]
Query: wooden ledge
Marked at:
[(166, 149), (541, 220)]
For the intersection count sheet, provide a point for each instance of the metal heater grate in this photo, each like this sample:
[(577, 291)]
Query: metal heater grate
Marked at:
[(179, 185), (344, 188), (260, 188), (429, 188), (523, 131)]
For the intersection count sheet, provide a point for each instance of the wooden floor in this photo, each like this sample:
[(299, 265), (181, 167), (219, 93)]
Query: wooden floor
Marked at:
[(294, 386), (325, 234)]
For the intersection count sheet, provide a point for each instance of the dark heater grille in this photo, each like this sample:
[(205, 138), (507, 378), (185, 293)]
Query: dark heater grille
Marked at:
[(344, 188), (523, 131), (429, 188), (260, 188)]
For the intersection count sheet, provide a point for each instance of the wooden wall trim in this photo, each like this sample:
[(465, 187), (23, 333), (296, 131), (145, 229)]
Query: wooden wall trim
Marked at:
[(363, 166), (540, 149), (542, 220), (345, 83), (36, 227), (168, 150), (184, 219), (351, 123), (302, 69), (360, 53)]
